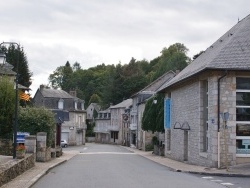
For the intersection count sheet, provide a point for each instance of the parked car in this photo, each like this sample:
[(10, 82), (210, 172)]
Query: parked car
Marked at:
[(64, 143)]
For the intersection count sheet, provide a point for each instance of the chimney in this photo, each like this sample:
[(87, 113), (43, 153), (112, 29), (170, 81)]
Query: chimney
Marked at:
[(177, 72), (42, 86), (73, 93)]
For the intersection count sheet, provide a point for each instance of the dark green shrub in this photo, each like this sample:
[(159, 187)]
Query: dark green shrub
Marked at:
[(7, 107), (34, 120)]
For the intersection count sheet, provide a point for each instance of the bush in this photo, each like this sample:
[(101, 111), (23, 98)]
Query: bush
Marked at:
[(155, 141), (34, 120), (7, 107), (149, 147)]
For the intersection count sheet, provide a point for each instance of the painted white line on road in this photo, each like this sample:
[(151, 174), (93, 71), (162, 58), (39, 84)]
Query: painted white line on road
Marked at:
[(216, 180), (207, 177), (116, 153), (226, 184)]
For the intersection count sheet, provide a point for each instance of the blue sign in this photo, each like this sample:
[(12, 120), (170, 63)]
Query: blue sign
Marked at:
[(167, 113), (21, 137)]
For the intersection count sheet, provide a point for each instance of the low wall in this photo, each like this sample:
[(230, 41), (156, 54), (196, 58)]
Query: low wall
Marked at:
[(90, 139), (13, 168)]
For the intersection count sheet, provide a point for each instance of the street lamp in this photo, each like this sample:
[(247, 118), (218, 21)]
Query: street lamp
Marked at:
[(16, 100)]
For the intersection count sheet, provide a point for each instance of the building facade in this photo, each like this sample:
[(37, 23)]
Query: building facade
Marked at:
[(207, 119), (140, 138), (69, 110)]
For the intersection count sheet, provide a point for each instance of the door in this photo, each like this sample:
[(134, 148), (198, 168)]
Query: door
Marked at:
[(185, 145)]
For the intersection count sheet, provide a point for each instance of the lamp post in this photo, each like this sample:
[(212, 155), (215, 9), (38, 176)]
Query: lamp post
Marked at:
[(16, 100)]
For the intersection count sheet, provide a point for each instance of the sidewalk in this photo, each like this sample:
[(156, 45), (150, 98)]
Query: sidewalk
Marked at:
[(236, 171), (28, 178)]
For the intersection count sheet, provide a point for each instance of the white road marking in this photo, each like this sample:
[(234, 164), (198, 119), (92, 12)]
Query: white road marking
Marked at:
[(116, 153), (216, 180), (207, 177), (226, 184)]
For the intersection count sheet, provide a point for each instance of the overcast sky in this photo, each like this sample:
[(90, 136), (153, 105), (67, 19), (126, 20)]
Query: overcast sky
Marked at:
[(92, 32)]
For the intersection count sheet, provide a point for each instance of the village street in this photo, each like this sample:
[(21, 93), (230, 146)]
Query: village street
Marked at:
[(99, 165)]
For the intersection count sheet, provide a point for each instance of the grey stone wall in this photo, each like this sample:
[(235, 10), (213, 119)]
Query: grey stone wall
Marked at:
[(187, 105), (13, 168)]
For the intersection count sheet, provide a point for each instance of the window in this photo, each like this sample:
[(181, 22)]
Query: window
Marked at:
[(204, 112), (60, 104), (114, 134), (75, 105), (243, 116)]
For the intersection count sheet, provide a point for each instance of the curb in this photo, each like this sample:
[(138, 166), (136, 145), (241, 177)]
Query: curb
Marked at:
[(191, 172), (44, 172)]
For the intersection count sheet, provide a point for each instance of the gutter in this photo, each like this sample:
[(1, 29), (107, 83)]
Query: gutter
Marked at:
[(218, 116)]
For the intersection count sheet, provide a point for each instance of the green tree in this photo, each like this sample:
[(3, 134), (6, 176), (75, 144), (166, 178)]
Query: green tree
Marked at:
[(62, 77), (7, 107), (67, 75), (56, 79), (94, 99), (34, 120), (173, 58), (153, 115), (15, 57), (76, 66)]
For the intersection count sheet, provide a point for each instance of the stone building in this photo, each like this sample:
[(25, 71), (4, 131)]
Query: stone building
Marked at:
[(111, 125), (207, 105), (141, 138), (102, 124), (69, 110)]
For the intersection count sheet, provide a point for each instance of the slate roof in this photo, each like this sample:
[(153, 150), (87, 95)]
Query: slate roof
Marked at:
[(229, 52), (123, 104), (155, 85), (54, 93), (6, 70)]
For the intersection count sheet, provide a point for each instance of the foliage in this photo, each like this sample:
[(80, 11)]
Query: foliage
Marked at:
[(17, 57), (94, 99), (7, 107), (173, 58), (34, 120), (114, 83), (155, 141), (90, 129), (153, 115), (149, 147)]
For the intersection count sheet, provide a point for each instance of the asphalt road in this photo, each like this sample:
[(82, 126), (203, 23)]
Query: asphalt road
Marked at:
[(110, 166)]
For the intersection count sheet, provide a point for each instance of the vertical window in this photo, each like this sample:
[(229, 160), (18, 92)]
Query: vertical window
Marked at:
[(167, 113), (60, 104), (75, 105), (204, 112), (243, 116)]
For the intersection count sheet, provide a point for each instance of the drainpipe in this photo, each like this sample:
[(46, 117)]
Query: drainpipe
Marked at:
[(218, 116)]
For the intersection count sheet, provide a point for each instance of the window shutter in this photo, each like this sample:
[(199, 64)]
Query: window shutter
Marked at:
[(167, 113)]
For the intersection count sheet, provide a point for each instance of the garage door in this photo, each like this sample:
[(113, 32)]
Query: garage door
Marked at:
[(65, 136)]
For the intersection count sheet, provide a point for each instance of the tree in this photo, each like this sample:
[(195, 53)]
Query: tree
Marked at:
[(153, 115), (76, 66), (7, 107), (16, 56), (94, 99), (61, 77), (56, 79), (173, 58)]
